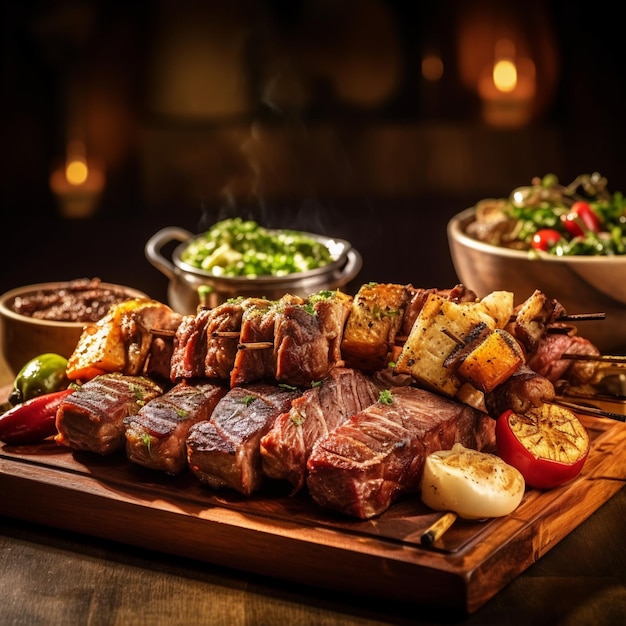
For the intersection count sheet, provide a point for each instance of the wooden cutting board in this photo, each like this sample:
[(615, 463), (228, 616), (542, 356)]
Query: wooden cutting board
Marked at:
[(291, 538)]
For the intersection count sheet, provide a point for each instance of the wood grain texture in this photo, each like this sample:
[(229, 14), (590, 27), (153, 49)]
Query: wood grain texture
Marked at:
[(291, 539)]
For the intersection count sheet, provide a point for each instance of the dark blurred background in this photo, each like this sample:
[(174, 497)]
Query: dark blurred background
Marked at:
[(371, 120)]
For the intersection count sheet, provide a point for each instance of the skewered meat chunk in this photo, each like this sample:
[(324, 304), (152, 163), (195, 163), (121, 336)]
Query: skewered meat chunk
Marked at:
[(221, 350), (92, 417), (547, 361), (378, 455), (375, 319), (257, 325), (156, 435), (224, 451), (190, 347), (286, 447), (204, 346), (522, 391), (307, 338)]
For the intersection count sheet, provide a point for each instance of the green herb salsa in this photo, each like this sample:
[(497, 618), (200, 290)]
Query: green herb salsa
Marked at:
[(237, 247)]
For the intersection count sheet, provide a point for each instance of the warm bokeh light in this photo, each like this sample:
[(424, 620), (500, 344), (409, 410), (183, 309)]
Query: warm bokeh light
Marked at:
[(76, 172), (432, 67), (505, 75)]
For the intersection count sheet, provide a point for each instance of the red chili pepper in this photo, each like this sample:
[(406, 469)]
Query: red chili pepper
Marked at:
[(33, 420)]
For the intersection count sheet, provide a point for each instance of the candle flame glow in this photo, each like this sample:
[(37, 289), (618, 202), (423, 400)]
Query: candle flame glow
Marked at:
[(505, 75), (76, 172)]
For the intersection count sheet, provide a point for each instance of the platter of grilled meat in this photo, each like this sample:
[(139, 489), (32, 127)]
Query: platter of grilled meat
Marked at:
[(288, 437)]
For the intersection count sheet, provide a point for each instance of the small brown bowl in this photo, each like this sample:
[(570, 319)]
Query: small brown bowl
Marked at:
[(24, 337)]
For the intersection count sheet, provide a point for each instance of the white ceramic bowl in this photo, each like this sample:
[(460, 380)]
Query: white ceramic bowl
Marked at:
[(24, 337), (580, 284)]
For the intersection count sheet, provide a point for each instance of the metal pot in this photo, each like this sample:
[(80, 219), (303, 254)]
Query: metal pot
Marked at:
[(185, 280)]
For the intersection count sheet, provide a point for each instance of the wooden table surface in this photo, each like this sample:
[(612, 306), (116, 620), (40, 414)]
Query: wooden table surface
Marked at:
[(48, 576)]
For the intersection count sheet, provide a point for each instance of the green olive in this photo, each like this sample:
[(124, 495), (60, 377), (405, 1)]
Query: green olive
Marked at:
[(43, 374)]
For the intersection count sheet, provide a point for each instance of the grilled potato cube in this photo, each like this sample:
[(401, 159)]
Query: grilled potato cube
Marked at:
[(437, 331), (374, 320), (530, 322), (102, 345), (499, 305), (492, 361)]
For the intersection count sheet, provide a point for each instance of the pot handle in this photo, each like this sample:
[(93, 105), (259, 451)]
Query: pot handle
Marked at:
[(157, 241), (351, 268)]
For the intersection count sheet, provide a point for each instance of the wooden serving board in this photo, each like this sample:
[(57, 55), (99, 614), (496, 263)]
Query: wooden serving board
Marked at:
[(291, 538)]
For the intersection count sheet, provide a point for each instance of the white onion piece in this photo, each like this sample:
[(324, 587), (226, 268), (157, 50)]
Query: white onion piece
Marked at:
[(472, 484)]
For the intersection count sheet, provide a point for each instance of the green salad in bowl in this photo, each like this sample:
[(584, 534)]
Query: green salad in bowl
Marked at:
[(582, 218)]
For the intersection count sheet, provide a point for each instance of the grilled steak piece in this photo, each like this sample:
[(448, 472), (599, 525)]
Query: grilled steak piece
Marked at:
[(367, 463), (286, 447), (307, 337), (92, 418), (156, 435), (224, 451)]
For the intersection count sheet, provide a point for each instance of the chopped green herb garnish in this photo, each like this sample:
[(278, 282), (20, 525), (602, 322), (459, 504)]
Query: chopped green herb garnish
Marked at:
[(385, 397)]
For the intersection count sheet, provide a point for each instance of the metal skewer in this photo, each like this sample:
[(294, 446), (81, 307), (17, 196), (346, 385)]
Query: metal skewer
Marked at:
[(590, 410), (604, 358)]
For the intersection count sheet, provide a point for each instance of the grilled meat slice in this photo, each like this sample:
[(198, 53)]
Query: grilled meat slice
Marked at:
[(378, 455), (221, 349), (224, 451), (190, 344), (92, 418), (258, 324), (375, 319), (286, 447), (307, 338), (156, 435)]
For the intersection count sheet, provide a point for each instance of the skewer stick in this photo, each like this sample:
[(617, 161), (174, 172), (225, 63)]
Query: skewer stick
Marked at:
[(452, 336), (581, 317), (255, 345), (590, 410), (231, 334), (605, 358), (159, 332), (573, 317), (436, 530)]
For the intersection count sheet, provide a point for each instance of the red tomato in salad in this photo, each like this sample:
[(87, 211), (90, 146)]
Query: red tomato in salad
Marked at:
[(580, 219), (545, 238), (548, 444)]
